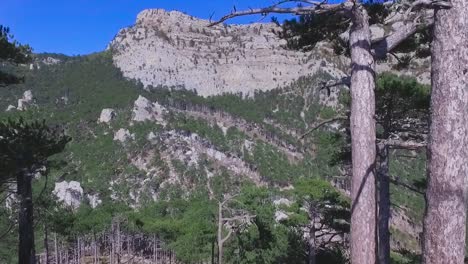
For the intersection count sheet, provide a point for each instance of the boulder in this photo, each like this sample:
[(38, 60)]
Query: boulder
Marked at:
[(107, 115), (145, 110), (70, 193), (123, 135)]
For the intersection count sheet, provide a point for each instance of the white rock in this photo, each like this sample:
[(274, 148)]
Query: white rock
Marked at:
[(10, 108), (173, 49), (28, 96), (151, 137), (94, 200), (70, 193), (280, 215), (144, 110), (26, 101), (123, 135), (107, 115), (282, 201)]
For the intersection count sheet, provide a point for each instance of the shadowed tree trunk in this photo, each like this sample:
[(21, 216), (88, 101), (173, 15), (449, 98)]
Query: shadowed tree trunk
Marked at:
[(445, 218), (26, 252), (312, 239), (363, 211), (46, 241), (384, 205)]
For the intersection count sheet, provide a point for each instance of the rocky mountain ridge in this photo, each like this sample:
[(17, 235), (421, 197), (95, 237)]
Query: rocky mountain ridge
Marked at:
[(173, 49)]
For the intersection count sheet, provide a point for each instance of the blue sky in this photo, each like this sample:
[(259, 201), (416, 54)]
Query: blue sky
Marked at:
[(77, 27)]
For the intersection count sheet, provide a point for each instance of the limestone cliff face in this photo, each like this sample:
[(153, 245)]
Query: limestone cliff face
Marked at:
[(174, 49)]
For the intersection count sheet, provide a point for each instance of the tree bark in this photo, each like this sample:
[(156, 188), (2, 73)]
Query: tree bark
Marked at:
[(384, 206), (26, 252), (312, 238), (363, 211), (56, 249), (46, 241), (445, 217), (220, 233)]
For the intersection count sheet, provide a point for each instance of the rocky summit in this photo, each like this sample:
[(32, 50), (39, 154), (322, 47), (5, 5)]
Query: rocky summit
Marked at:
[(174, 49)]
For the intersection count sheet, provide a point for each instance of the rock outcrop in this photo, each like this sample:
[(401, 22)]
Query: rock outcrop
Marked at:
[(70, 193), (123, 135), (107, 115), (174, 49), (145, 110), (23, 103)]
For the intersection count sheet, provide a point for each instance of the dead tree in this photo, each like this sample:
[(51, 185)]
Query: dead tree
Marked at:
[(236, 220)]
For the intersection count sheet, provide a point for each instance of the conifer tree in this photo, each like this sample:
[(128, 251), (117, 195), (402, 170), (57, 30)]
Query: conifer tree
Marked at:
[(24, 149)]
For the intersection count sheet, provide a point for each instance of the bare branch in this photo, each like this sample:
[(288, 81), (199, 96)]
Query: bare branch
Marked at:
[(324, 122), (407, 186), (238, 218), (227, 236), (401, 144), (314, 8)]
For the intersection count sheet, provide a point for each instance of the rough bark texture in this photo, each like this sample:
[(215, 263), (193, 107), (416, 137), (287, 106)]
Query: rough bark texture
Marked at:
[(445, 219), (220, 233), (384, 206), (26, 252), (363, 211)]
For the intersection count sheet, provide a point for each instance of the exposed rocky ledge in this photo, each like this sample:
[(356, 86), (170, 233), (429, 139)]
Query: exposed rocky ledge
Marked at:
[(174, 49)]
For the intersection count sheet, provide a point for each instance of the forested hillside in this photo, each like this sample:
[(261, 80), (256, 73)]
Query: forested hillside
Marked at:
[(146, 178)]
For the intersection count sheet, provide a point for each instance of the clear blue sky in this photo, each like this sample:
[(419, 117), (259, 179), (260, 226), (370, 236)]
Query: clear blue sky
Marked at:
[(84, 26)]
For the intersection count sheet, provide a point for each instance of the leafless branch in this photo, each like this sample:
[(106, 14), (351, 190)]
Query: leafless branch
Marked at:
[(404, 144), (396, 181), (314, 8), (322, 123)]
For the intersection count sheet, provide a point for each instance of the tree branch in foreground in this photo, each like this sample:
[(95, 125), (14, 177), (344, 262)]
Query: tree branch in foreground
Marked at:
[(324, 122), (314, 8)]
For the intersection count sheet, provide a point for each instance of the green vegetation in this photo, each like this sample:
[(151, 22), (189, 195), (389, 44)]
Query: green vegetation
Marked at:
[(75, 91)]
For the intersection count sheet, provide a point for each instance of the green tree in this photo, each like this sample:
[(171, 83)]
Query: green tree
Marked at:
[(402, 118), (24, 149), (326, 213), (11, 52)]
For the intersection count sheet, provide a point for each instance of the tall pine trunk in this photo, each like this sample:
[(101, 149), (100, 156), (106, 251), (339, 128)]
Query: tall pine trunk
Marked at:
[(363, 211), (26, 252), (384, 205), (445, 217)]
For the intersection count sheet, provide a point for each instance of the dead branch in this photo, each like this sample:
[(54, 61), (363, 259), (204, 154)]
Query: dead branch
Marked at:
[(324, 122), (314, 8), (401, 144)]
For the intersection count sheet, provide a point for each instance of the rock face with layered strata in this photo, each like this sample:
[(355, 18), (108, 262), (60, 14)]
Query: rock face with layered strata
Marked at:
[(173, 49)]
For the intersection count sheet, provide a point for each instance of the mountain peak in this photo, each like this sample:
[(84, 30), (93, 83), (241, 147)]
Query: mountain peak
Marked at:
[(174, 49)]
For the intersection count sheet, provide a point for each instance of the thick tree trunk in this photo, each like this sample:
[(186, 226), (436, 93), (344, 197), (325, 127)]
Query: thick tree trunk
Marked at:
[(384, 206), (445, 218), (363, 211), (26, 252)]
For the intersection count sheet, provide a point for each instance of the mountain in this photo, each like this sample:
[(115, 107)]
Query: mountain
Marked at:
[(175, 110)]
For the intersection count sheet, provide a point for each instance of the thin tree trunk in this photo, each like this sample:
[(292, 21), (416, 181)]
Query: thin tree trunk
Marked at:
[(445, 217), (312, 239), (220, 233), (56, 249), (26, 252), (384, 205), (213, 252), (46, 242), (363, 211)]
